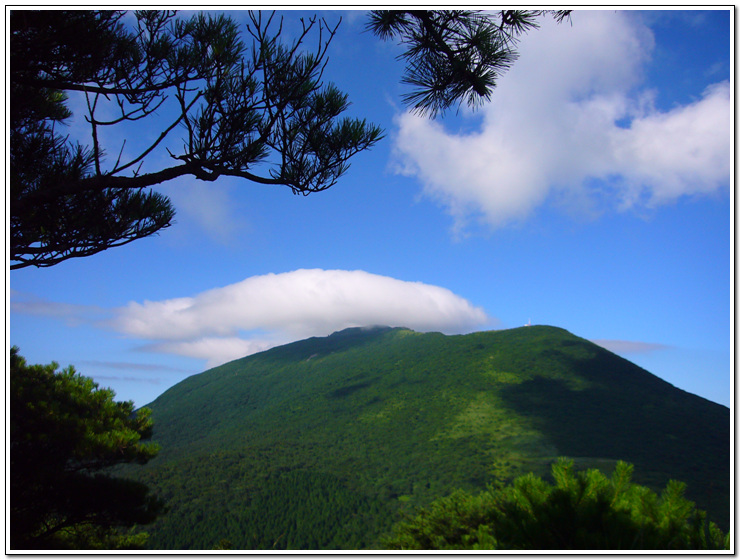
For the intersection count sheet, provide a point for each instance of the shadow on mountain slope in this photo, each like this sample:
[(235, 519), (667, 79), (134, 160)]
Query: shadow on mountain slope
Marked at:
[(626, 413)]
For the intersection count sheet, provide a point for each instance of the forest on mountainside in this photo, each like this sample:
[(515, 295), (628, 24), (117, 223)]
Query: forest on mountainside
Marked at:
[(326, 443)]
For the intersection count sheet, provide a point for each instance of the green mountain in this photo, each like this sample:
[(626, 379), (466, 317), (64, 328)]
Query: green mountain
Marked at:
[(326, 442)]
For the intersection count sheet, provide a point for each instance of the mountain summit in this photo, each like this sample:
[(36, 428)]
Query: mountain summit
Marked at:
[(324, 443)]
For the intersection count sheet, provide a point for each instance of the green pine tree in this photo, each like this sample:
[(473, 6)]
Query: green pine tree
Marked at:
[(65, 436), (583, 510)]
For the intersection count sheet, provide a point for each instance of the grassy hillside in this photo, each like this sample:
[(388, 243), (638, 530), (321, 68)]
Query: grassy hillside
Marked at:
[(325, 442)]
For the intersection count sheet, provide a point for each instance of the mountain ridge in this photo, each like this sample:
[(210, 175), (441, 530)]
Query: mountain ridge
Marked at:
[(385, 419)]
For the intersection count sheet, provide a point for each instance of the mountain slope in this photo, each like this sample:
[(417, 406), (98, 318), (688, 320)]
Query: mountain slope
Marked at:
[(323, 443)]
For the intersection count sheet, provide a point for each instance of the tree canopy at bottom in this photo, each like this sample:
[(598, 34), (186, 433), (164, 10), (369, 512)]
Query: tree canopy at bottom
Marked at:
[(583, 510)]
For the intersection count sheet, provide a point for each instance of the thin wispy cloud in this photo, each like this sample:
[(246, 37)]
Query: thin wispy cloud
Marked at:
[(132, 366), (630, 346), (569, 123), (206, 208), (151, 381), (72, 314)]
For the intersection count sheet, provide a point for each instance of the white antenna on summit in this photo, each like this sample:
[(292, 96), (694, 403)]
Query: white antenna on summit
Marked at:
[(529, 323)]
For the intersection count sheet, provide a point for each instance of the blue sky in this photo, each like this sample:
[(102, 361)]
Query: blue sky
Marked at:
[(592, 193)]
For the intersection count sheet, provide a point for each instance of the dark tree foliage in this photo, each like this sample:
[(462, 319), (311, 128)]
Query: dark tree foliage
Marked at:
[(65, 436), (583, 510), (455, 55), (256, 110)]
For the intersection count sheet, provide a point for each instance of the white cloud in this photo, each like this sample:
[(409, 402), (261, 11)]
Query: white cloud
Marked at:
[(214, 350), (263, 311), (685, 151), (565, 116)]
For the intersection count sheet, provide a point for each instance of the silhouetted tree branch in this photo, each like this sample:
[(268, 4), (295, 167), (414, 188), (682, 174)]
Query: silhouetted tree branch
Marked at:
[(454, 56), (257, 112)]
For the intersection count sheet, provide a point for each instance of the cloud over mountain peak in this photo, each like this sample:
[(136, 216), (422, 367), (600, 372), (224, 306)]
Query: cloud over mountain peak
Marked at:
[(263, 311)]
